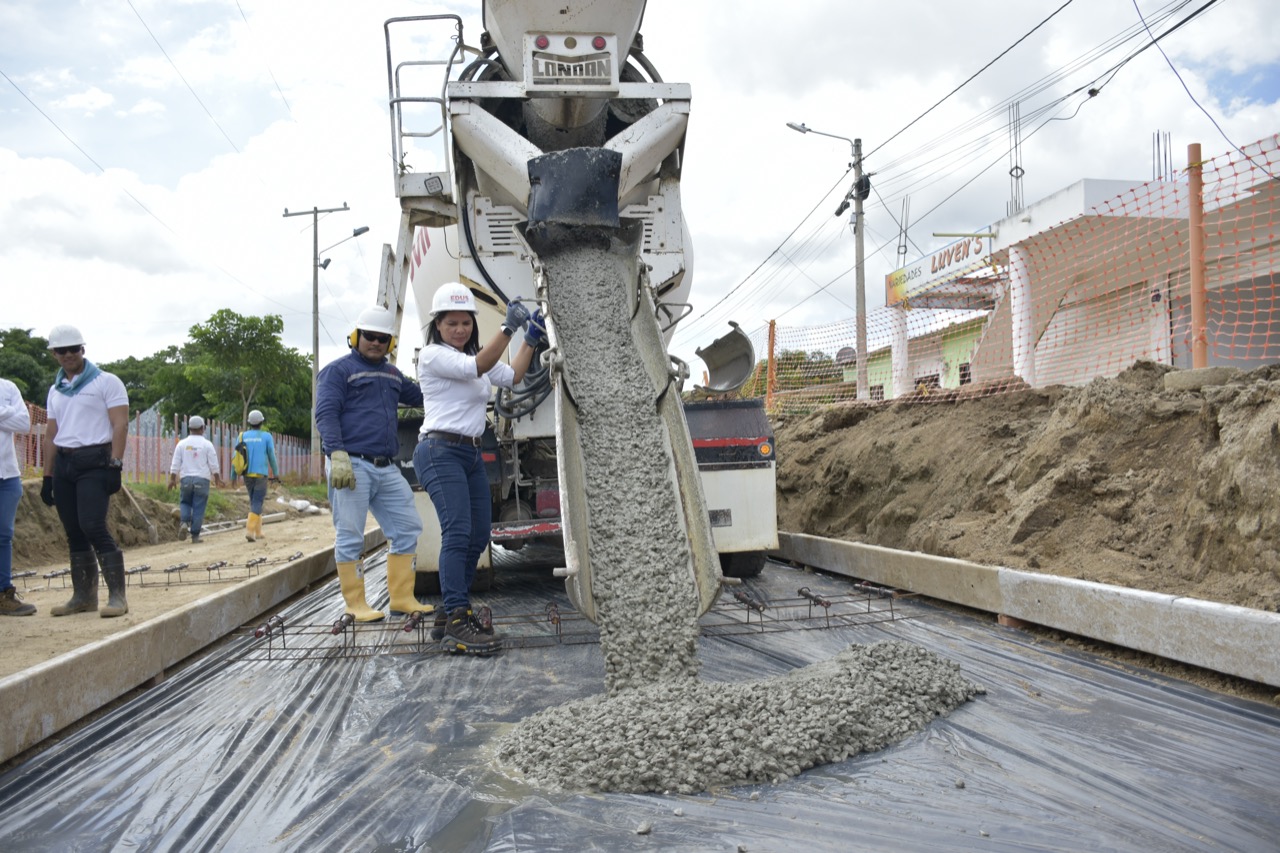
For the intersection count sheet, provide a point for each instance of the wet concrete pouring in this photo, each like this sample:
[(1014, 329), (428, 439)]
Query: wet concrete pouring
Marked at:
[(659, 728)]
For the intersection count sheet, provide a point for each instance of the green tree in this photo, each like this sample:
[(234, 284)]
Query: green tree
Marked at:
[(239, 363), (144, 379), (25, 361)]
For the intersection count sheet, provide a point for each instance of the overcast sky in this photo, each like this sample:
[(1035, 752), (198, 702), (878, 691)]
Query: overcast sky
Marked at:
[(148, 148)]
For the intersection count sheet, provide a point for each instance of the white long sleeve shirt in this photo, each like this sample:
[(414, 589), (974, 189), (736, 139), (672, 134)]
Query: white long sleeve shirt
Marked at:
[(195, 456), (14, 418)]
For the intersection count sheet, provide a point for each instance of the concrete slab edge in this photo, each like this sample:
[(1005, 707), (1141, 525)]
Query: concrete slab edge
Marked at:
[(1219, 637), (42, 700)]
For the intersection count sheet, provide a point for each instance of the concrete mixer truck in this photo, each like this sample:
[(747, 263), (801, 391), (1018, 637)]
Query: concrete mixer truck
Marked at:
[(556, 132)]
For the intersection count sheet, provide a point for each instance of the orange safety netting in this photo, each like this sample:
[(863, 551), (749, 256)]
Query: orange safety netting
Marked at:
[(1081, 285)]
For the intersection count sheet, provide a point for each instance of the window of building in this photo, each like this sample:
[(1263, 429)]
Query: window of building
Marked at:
[(966, 374), (877, 393)]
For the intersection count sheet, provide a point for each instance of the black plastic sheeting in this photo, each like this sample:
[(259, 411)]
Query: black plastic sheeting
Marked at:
[(394, 753)]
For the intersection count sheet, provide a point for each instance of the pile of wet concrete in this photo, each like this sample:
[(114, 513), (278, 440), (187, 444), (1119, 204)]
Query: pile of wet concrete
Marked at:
[(660, 728)]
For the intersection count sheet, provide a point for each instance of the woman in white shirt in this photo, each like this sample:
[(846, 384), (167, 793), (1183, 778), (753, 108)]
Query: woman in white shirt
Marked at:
[(457, 376)]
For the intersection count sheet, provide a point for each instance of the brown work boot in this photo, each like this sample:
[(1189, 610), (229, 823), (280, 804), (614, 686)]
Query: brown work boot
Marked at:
[(11, 604), (462, 634)]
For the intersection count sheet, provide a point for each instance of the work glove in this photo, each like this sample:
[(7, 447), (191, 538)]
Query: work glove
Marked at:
[(46, 491), (536, 332), (113, 480), (517, 316), (340, 474)]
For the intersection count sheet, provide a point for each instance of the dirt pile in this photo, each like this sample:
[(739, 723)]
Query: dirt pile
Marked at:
[(1123, 481)]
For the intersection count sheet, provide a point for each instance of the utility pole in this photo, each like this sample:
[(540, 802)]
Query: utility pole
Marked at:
[(860, 193), (314, 213)]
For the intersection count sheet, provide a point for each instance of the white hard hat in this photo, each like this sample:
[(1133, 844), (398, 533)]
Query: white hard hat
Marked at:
[(65, 336), (376, 319), (452, 297), (195, 422), (255, 417)]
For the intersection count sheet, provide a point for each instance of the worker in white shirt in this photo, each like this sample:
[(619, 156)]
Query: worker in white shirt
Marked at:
[(84, 441), (195, 463)]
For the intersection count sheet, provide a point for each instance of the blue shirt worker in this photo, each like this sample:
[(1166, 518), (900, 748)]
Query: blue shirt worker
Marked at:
[(357, 399), (84, 441), (194, 465), (260, 448)]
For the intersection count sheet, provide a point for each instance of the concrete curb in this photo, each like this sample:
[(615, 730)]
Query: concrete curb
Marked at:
[(42, 700), (1224, 638)]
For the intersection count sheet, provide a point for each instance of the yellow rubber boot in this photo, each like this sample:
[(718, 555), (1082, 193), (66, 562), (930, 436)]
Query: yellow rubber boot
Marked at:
[(257, 527), (251, 527), (400, 578), (351, 576)]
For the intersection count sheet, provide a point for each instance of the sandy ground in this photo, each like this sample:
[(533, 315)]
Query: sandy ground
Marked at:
[(30, 640)]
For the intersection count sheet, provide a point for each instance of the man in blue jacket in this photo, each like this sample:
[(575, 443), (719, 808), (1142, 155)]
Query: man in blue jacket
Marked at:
[(357, 398)]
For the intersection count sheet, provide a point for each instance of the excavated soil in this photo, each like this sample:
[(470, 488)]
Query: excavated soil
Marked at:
[(1119, 481)]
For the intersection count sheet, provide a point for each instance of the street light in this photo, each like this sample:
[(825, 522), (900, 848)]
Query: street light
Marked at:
[(859, 192), (316, 266)]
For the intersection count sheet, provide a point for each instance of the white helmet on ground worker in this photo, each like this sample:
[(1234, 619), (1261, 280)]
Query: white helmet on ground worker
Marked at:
[(255, 418), (195, 422), (452, 297), (376, 319), (65, 336)]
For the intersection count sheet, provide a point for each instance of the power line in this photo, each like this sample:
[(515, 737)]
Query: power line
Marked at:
[(182, 78)]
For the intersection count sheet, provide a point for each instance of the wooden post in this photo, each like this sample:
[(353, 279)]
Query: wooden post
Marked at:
[(772, 376), (1199, 298)]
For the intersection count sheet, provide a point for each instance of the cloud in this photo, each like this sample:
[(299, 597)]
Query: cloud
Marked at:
[(90, 101), (144, 106)]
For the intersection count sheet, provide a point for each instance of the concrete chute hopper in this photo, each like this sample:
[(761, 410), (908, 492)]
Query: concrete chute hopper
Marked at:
[(730, 359)]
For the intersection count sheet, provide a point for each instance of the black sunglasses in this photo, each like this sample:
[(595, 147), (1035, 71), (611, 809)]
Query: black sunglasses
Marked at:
[(375, 337), (67, 350)]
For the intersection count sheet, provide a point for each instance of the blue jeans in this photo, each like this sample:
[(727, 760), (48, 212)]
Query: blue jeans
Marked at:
[(257, 489), (192, 501), (454, 477), (10, 494), (384, 492)]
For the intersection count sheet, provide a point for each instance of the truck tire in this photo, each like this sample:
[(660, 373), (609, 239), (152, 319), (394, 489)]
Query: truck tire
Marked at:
[(742, 564)]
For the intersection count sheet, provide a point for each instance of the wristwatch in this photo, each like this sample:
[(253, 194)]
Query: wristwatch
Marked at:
[(508, 331), (115, 463)]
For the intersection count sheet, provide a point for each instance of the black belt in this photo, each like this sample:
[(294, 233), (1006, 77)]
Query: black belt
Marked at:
[(84, 448), (456, 438), (378, 461)]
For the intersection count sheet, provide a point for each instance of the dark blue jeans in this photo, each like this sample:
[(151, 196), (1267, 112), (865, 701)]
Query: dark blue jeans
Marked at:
[(80, 483), (194, 498), (453, 475)]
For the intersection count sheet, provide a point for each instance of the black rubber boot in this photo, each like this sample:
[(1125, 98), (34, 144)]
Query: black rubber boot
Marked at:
[(113, 574), (462, 635), (84, 585)]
